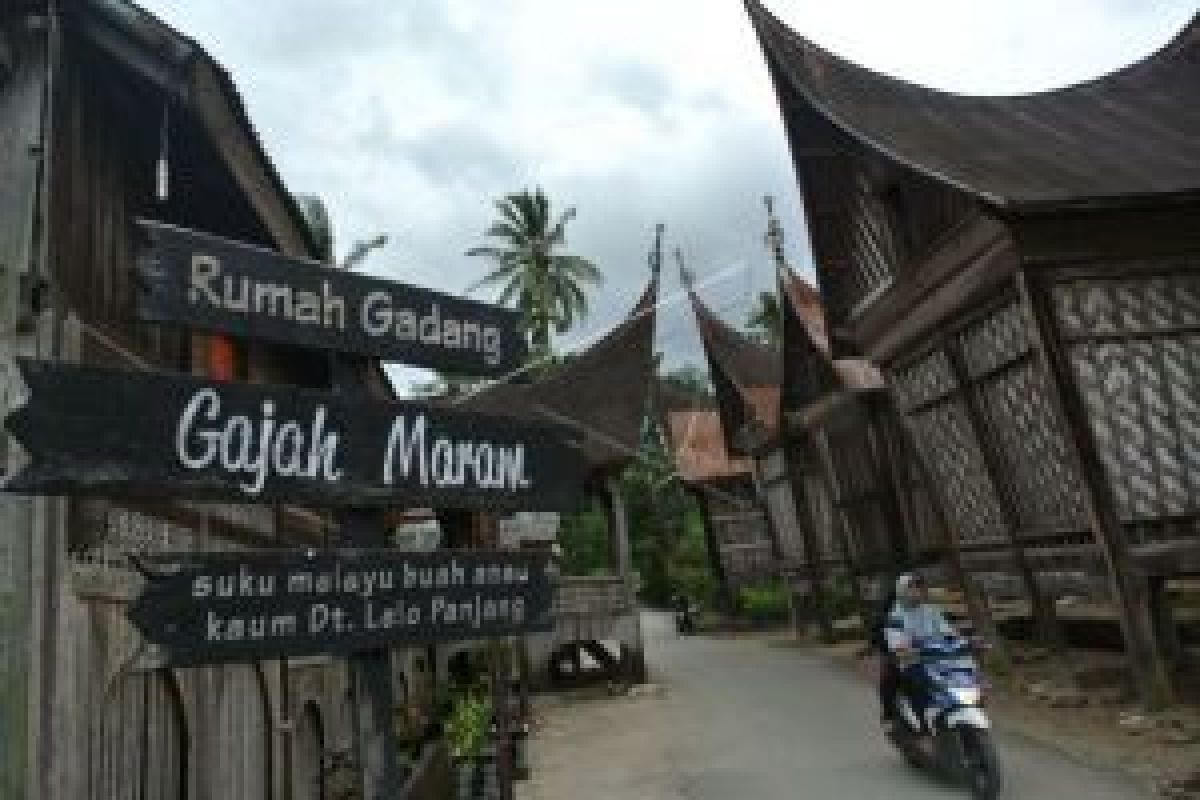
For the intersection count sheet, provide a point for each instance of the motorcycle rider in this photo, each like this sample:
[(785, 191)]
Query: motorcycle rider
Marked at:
[(912, 618)]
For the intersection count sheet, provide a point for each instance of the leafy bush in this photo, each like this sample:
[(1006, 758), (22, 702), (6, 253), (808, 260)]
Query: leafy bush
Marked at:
[(765, 602), (467, 726)]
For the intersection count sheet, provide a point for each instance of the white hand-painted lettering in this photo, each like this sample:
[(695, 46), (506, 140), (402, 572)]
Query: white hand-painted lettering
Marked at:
[(258, 448)]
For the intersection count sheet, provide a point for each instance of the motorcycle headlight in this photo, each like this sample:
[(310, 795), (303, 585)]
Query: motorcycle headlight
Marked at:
[(967, 696)]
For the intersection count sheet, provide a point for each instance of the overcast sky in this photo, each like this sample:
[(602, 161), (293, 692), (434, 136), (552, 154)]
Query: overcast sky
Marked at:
[(410, 116)]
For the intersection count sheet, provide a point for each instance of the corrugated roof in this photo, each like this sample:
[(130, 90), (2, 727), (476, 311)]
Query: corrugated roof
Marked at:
[(1131, 134)]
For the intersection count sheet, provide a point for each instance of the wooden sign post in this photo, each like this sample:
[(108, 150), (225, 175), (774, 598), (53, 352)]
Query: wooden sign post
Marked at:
[(215, 284), (88, 429), (230, 606)]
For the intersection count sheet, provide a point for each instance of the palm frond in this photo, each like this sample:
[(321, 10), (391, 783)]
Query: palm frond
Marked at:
[(506, 230), (557, 233), (580, 268)]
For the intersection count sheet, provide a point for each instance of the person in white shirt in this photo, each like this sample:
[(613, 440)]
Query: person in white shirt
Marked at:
[(911, 618)]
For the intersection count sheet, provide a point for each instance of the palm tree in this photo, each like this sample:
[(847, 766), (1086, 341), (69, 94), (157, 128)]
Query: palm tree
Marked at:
[(546, 285), (766, 320)]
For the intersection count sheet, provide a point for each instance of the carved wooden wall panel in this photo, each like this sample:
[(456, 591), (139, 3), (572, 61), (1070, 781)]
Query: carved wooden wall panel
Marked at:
[(1027, 478), (944, 438), (1023, 428), (1135, 350)]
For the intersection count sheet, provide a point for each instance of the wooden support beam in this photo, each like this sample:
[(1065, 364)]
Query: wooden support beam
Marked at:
[(814, 569), (1048, 631), (1131, 588), (841, 525), (886, 474)]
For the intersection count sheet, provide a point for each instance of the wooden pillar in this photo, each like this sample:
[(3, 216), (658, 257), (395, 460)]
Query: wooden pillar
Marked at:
[(814, 564), (618, 529), (1041, 607), (889, 474), (841, 526), (1164, 620), (1129, 585), (724, 595), (370, 670)]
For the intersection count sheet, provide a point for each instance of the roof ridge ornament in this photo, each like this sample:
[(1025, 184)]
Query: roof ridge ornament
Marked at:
[(655, 257), (686, 276), (774, 237)]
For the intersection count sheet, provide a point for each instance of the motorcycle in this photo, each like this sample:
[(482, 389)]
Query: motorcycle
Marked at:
[(946, 730)]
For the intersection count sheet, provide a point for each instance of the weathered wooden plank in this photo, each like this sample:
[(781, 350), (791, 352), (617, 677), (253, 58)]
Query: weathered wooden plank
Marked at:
[(254, 605), (22, 90), (210, 283), (92, 429)]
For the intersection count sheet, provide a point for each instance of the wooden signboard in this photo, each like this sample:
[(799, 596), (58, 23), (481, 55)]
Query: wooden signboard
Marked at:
[(210, 283), (241, 606), (112, 431)]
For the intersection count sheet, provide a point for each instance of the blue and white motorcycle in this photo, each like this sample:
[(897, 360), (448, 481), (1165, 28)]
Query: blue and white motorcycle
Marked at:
[(939, 723)]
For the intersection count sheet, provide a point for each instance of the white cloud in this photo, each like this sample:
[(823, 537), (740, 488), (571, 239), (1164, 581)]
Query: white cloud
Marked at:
[(410, 117)]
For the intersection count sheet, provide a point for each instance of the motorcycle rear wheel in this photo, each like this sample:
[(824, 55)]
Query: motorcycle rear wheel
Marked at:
[(981, 764)]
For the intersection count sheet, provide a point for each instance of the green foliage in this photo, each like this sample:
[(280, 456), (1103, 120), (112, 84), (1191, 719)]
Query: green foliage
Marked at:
[(766, 320), (765, 602), (689, 567), (467, 726), (689, 381), (535, 277), (839, 596), (583, 536), (666, 531)]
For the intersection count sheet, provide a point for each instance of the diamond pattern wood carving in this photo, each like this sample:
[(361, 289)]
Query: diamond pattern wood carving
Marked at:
[(952, 453), (1136, 355)]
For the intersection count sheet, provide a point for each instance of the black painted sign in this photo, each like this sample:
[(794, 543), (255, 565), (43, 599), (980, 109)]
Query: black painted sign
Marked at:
[(113, 431), (219, 607), (207, 282)]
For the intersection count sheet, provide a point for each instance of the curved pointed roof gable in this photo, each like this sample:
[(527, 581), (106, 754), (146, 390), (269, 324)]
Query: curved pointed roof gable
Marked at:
[(1131, 134), (746, 375), (602, 394)]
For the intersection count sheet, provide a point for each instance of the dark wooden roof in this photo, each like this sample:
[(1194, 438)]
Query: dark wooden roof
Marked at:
[(602, 393), (1129, 135), (746, 375), (809, 369), (187, 74)]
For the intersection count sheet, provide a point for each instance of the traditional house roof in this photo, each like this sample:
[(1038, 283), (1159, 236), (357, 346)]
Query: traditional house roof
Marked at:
[(809, 369), (698, 446), (601, 394), (746, 375), (1125, 136), (186, 77)]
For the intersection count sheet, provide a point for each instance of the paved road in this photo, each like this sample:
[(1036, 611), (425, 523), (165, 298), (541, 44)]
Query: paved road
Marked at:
[(742, 719)]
